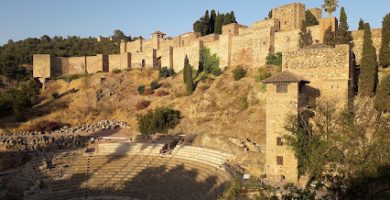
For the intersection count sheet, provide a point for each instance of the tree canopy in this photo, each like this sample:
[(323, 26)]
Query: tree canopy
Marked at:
[(384, 53), (330, 6), (343, 35), (382, 97), (305, 37), (212, 22), (310, 19)]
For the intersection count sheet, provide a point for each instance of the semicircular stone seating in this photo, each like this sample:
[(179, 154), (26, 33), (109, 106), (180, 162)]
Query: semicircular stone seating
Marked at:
[(127, 171)]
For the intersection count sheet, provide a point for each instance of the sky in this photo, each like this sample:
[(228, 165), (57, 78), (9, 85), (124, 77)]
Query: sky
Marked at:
[(20, 19)]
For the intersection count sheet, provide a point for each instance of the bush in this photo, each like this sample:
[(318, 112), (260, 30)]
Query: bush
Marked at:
[(239, 73), (158, 121), (148, 91), (274, 59), (161, 93), (142, 105), (141, 89), (166, 72), (71, 77), (263, 74), (209, 63), (154, 85), (116, 71), (46, 126), (55, 95)]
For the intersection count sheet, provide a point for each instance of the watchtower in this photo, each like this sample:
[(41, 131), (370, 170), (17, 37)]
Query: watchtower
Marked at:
[(156, 39), (284, 98)]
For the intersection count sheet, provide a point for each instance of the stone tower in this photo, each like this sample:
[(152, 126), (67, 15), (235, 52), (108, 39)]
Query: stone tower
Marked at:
[(284, 98), (156, 39), (290, 16)]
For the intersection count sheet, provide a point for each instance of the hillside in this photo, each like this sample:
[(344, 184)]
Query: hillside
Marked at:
[(219, 109)]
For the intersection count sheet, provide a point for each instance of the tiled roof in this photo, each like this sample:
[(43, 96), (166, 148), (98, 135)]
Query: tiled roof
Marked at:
[(159, 33), (285, 77)]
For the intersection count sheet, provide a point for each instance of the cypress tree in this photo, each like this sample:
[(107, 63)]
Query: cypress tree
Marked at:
[(185, 70), (384, 53), (329, 37), (232, 17), (226, 19), (382, 97), (343, 36), (368, 68), (188, 77), (305, 38), (270, 14), (211, 23), (310, 19), (218, 23), (206, 21), (361, 24)]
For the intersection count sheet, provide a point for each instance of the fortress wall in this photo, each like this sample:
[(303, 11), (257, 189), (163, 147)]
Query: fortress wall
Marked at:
[(133, 46), (167, 57), (317, 12), (125, 60), (286, 41), (179, 55), (251, 49), (77, 65), (114, 62), (327, 69), (290, 16), (187, 39), (267, 24), (209, 38), (358, 42), (97, 63), (42, 64), (315, 33)]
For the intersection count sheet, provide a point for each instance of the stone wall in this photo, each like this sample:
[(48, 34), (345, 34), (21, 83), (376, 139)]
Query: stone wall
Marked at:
[(97, 63), (328, 70), (286, 41), (317, 12), (180, 53), (358, 42), (42, 65)]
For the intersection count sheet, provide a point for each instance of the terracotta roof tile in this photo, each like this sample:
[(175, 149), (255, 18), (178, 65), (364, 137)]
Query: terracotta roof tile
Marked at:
[(285, 77)]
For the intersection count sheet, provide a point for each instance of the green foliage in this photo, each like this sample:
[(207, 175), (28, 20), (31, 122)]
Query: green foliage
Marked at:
[(343, 35), (141, 89), (305, 38), (15, 101), (154, 85), (270, 14), (263, 73), (310, 19), (209, 63), (211, 22), (158, 121), (384, 53), (187, 77), (15, 54), (368, 66), (330, 6), (233, 189), (382, 98), (361, 24), (165, 72), (274, 59), (239, 73), (329, 37), (71, 77)]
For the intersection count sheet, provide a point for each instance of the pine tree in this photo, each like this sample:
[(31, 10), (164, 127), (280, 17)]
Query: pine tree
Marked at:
[(329, 37), (226, 19), (330, 6), (270, 14), (305, 38), (384, 53), (206, 21), (343, 36), (218, 23), (232, 17), (310, 19), (361, 24), (382, 97), (368, 68)]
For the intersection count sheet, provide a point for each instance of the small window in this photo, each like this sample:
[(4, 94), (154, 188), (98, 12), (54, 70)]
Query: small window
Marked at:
[(281, 88), (283, 177), (279, 141), (279, 160)]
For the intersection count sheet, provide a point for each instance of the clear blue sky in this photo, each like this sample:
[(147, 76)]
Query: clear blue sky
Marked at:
[(20, 19)]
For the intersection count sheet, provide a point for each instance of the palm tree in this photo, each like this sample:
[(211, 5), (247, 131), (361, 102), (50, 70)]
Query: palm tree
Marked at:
[(330, 6)]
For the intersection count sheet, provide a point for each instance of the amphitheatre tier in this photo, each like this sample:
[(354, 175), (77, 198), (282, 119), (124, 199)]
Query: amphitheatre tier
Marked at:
[(126, 171)]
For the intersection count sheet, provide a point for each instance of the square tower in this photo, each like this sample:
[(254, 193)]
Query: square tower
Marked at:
[(290, 16), (284, 98)]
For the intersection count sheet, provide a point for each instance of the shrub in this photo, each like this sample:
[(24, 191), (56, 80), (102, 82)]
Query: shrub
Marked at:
[(141, 89), (161, 93), (209, 63), (148, 91), (154, 85), (274, 59), (55, 95), (46, 126), (263, 74), (158, 121), (142, 105), (239, 73), (71, 77), (116, 71), (166, 72)]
